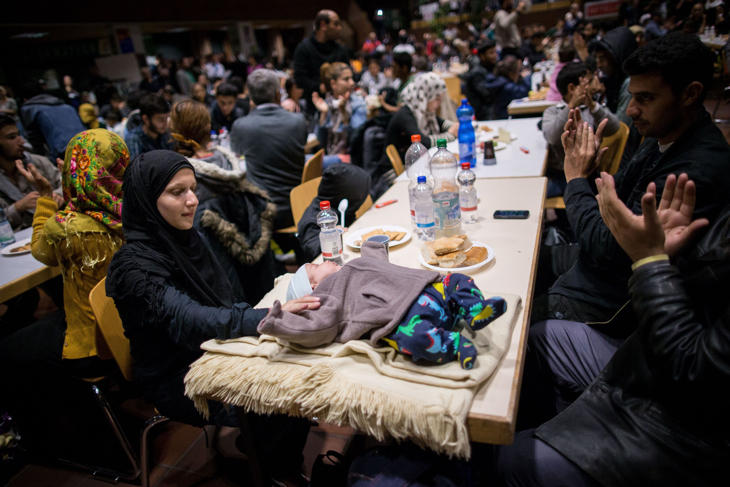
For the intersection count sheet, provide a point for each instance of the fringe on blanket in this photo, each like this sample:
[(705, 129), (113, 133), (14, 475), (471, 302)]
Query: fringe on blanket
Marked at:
[(264, 387)]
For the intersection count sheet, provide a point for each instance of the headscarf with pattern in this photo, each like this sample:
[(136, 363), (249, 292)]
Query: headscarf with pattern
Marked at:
[(416, 95), (92, 177)]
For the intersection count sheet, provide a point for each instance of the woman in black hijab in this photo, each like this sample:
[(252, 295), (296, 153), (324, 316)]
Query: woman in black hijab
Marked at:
[(172, 294)]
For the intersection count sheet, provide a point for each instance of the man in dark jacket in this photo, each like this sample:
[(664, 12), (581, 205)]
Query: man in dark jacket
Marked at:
[(476, 82), (669, 77), (610, 53), (272, 141), (653, 415), (49, 123), (322, 47), (224, 110), (339, 181)]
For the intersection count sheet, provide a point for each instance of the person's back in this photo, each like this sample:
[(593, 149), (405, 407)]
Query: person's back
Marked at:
[(53, 119), (272, 141), (476, 82), (508, 85)]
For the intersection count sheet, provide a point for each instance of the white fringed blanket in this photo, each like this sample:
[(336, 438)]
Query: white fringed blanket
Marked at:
[(375, 390)]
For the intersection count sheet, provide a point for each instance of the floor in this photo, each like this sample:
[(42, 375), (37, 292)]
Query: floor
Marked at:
[(182, 459)]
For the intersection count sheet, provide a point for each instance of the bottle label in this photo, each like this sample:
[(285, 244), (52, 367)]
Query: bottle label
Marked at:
[(331, 244), (466, 152), (446, 209), (472, 208), (426, 225)]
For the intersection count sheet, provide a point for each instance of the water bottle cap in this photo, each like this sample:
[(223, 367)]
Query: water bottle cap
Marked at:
[(464, 101), (324, 205), (421, 179), (415, 138), (441, 143), (466, 165)]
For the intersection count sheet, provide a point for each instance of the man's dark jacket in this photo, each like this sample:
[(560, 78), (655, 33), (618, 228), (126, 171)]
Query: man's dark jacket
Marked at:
[(599, 277), (272, 141), (50, 121), (218, 120), (476, 86), (309, 56), (658, 412)]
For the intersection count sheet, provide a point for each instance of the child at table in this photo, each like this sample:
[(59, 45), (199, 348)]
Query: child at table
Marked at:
[(415, 311)]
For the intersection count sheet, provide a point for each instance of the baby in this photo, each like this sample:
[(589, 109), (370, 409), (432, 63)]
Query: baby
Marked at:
[(415, 311)]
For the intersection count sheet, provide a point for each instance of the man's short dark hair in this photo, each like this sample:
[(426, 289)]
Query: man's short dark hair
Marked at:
[(486, 45), (322, 17), (153, 104), (679, 58), (570, 74), (226, 89), (403, 59), (6, 120)]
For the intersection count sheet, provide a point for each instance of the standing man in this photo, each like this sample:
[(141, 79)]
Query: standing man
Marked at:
[(154, 133), (505, 28), (321, 47), (272, 140)]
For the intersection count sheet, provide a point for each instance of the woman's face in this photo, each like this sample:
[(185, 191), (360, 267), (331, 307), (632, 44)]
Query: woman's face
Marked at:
[(178, 202), (343, 84), (434, 105)]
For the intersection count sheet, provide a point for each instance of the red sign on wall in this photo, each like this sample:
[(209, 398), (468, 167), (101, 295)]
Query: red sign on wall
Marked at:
[(602, 10)]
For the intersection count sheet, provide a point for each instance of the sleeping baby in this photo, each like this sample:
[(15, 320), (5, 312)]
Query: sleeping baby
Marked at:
[(418, 312)]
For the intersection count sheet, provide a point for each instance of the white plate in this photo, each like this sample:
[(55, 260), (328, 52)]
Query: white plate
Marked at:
[(490, 257), (18, 243), (353, 237)]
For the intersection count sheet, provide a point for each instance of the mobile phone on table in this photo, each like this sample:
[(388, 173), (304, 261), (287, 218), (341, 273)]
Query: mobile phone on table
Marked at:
[(511, 214)]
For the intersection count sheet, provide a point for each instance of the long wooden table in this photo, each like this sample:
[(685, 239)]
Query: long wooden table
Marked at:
[(19, 273), (516, 245)]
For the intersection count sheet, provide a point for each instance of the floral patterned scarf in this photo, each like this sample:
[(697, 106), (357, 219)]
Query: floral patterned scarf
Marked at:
[(416, 95), (92, 177)]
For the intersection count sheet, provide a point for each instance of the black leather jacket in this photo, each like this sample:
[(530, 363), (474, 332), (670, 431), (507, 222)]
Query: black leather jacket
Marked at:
[(658, 413)]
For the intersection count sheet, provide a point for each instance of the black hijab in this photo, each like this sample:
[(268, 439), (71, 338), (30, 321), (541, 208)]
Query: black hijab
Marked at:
[(157, 246)]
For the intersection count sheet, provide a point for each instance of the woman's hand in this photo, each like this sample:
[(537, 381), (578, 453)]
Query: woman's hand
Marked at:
[(454, 130), (301, 304), (319, 103), (35, 178)]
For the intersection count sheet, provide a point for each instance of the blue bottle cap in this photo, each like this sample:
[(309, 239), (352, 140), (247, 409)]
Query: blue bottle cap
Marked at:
[(421, 179)]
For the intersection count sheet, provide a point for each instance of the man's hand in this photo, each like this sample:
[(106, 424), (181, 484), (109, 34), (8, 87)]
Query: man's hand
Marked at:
[(35, 178), (27, 202), (654, 232), (301, 304), (582, 154), (675, 213)]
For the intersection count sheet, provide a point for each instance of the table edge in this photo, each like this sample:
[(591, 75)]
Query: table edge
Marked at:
[(28, 281)]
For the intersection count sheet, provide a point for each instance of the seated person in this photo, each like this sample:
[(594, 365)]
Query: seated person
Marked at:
[(373, 80), (224, 111), (475, 84), (576, 85), (81, 239), (610, 52), (272, 140), (341, 181), (190, 125), (415, 311), (154, 133), (340, 112), (421, 102), (172, 295), (17, 195), (509, 85), (649, 413), (294, 102)]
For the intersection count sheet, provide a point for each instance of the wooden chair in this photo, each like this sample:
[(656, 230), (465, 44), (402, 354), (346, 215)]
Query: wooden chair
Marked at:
[(365, 206), (313, 167), (610, 162), (395, 159), (110, 324)]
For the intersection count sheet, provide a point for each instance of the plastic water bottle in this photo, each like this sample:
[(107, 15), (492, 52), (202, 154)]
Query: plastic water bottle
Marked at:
[(445, 192), (6, 231), (466, 133), (423, 202), (417, 159), (330, 237), (214, 137), (467, 194), (223, 139)]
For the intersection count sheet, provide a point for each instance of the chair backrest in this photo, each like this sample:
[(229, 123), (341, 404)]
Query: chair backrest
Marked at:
[(313, 167), (365, 206), (395, 159), (616, 144), (301, 196), (110, 324)]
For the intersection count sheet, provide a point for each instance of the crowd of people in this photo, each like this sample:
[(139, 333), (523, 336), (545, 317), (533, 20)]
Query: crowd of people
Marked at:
[(628, 343)]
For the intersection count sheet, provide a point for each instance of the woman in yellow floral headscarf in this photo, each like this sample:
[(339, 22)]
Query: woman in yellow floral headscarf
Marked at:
[(82, 237)]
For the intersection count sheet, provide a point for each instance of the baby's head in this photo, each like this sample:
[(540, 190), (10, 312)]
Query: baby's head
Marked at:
[(308, 277)]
